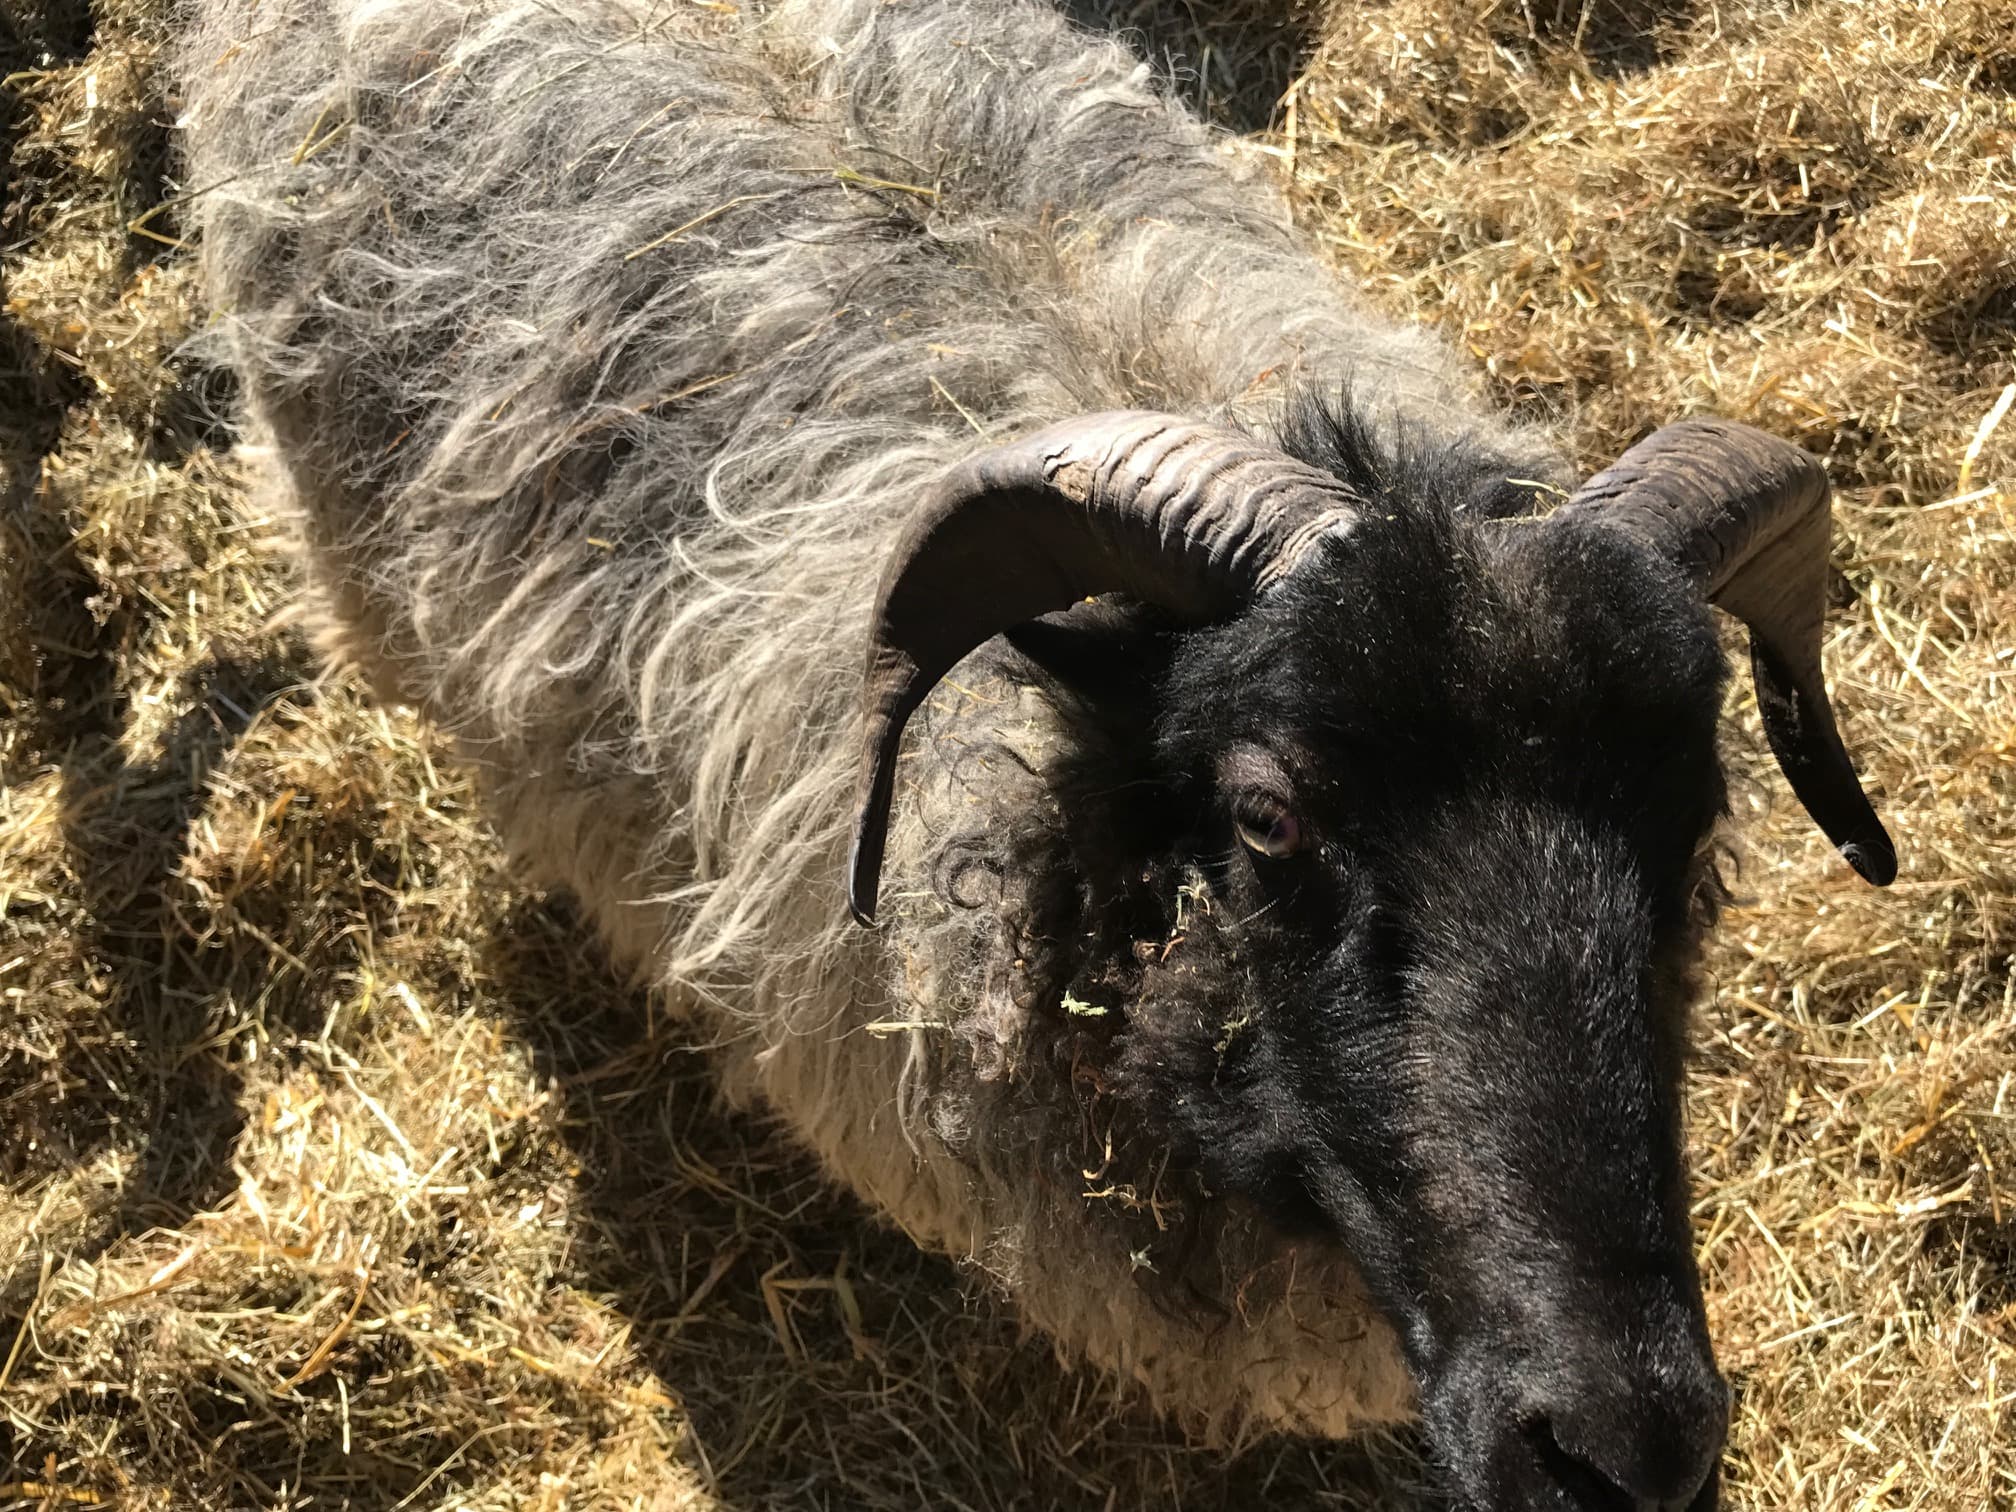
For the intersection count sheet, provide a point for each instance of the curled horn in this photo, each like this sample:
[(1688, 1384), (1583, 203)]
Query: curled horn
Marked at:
[(1745, 515), (1194, 518)]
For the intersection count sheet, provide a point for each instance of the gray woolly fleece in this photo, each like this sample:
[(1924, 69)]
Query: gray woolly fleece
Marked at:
[(597, 353)]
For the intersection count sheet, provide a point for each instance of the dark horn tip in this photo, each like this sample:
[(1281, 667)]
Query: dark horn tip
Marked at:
[(863, 886), (1874, 859)]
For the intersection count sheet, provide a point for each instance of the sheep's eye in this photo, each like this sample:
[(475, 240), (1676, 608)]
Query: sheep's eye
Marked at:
[(1271, 832)]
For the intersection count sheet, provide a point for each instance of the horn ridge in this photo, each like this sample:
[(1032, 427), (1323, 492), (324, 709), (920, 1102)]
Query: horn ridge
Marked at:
[(1193, 517), (1745, 516)]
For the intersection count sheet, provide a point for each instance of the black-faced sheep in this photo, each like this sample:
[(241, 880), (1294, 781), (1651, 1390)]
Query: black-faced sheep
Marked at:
[(1282, 960)]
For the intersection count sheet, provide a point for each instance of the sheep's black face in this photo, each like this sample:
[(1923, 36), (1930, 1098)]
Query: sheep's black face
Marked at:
[(1450, 788)]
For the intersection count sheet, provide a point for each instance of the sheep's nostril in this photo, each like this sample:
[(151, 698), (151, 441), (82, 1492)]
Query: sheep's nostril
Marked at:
[(1583, 1480), (1608, 1477), (1604, 1443)]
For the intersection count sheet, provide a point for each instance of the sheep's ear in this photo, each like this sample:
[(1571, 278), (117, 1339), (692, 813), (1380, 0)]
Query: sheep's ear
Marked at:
[(1101, 652)]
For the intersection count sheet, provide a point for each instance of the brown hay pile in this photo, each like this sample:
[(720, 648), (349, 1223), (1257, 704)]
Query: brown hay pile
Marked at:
[(334, 1170)]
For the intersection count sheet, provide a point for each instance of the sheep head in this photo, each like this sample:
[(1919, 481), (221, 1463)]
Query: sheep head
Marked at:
[(1451, 783)]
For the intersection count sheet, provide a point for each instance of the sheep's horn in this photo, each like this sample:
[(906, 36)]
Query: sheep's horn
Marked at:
[(1746, 516), (1194, 518)]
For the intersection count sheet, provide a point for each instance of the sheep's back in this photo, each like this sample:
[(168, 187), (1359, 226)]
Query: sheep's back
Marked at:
[(602, 350), (598, 352)]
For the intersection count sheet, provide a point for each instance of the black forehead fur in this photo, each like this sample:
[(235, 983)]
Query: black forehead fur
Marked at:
[(1456, 477), (1446, 640), (1442, 647)]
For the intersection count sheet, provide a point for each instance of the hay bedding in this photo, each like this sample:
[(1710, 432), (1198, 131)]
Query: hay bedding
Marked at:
[(335, 1171)]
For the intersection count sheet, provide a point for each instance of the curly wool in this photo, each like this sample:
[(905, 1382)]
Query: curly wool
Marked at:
[(598, 354)]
